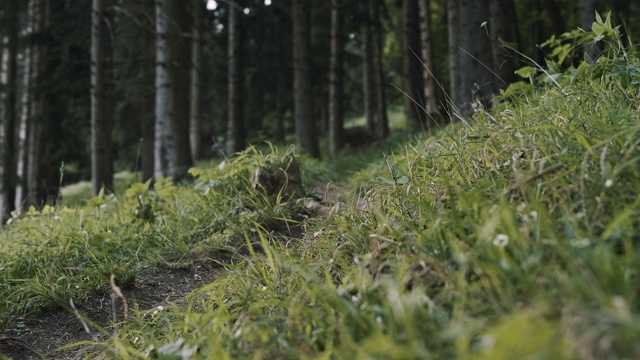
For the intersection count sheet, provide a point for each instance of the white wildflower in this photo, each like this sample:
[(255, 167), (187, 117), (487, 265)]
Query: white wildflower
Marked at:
[(501, 240), (608, 183)]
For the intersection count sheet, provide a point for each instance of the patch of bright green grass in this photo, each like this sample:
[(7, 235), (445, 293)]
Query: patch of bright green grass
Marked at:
[(80, 192), (397, 120)]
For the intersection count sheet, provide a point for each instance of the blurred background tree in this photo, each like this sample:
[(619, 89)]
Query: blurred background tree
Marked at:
[(228, 73)]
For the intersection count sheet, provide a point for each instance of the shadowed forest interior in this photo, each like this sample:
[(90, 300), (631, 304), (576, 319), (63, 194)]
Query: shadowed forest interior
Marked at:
[(92, 88)]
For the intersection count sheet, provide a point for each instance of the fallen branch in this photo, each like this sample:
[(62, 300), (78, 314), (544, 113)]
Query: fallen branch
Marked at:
[(115, 291)]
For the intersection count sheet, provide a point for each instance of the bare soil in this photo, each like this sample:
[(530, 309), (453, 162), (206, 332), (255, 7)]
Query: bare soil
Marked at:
[(38, 336)]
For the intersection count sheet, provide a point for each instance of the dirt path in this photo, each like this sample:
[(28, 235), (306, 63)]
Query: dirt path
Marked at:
[(39, 335)]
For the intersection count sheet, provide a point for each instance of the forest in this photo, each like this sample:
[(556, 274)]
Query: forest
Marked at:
[(91, 88), (319, 179)]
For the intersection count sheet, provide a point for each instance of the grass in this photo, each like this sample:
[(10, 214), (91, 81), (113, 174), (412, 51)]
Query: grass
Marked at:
[(512, 235), (78, 193)]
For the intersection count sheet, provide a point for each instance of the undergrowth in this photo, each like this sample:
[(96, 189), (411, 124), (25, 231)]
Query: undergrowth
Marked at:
[(513, 234)]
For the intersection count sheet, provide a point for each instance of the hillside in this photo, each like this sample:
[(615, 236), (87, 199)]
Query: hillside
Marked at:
[(508, 235)]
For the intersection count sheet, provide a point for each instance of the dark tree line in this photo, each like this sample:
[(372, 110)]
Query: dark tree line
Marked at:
[(155, 85)]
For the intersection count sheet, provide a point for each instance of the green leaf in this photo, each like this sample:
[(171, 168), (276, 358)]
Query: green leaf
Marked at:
[(386, 180), (527, 72), (97, 200)]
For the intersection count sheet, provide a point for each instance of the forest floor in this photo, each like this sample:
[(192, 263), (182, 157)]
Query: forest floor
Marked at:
[(48, 333), (40, 335)]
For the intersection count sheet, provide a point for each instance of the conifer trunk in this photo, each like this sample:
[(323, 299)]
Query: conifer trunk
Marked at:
[(147, 118), (368, 83), (101, 98), (471, 58), (503, 26), (235, 125), (412, 65), (455, 94), (335, 79), (195, 124), (9, 81), (381, 118), (26, 122), (306, 135), (180, 73), (428, 65), (164, 154)]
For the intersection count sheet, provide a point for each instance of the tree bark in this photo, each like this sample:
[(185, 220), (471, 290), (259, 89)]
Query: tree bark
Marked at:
[(428, 65), (412, 65), (475, 82), (368, 75), (453, 18), (9, 82), (27, 132), (101, 97), (557, 21), (306, 135), (147, 69), (280, 105), (622, 12), (336, 116), (180, 74), (536, 27), (503, 26), (195, 125), (35, 186), (382, 120), (235, 126), (165, 155), (587, 17)]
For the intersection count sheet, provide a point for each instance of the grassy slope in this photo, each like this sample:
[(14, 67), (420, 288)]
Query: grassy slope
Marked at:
[(512, 235)]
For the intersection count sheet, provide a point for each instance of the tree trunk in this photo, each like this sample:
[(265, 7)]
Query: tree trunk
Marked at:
[(637, 24), (165, 153), (235, 126), (557, 21), (382, 120), (280, 106), (368, 76), (26, 122), (536, 27), (587, 17), (453, 32), (9, 81), (147, 108), (428, 65), (195, 126), (180, 74), (306, 135), (34, 185), (101, 97), (336, 121), (475, 80), (412, 65), (503, 29), (622, 16)]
